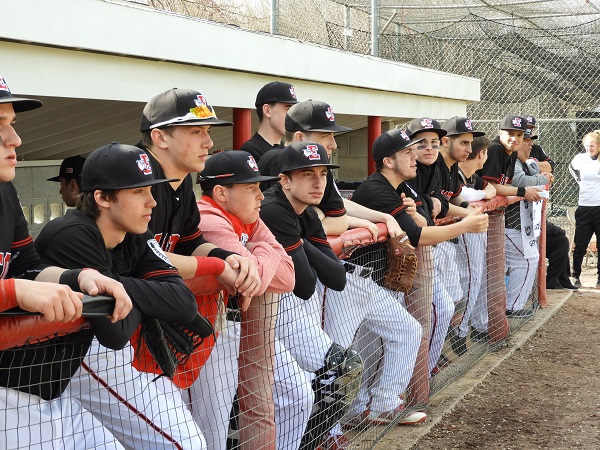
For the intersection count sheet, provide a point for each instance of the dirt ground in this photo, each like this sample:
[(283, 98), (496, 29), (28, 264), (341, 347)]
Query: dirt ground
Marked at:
[(545, 396)]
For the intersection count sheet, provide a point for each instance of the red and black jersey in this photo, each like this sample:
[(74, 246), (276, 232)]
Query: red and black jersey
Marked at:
[(332, 203), (473, 182), (537, 152), (304, 239), (175, 218), (428, 184), (377, 193), (257, 146), (18, 258), (500, 166), (449, 181), (154, 285)]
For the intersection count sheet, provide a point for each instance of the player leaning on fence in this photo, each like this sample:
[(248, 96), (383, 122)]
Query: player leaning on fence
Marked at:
[(33, 377)]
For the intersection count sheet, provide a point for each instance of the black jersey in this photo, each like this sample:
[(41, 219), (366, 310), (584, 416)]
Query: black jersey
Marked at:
[(304, 239), (257, 146), (500, 166), (332, 203), (175, 218), (74, 241), (473, 182), (428, 184), (449, 180), (18, 258), (537, 152), (377, 193)]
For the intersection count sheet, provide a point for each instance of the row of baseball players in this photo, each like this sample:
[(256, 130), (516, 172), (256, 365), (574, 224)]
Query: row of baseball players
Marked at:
[(175, 128)]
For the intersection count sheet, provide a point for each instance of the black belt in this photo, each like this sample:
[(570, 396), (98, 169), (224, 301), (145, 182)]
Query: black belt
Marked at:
[(364, 273), (234, 315)]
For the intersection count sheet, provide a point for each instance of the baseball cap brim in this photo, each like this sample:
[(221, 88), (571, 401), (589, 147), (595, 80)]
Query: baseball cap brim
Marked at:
[(56, 178), (440, 132), (22, 104), (182, 121), (332, 128), (512, 128), (214, 180), (136, 185), (306, 166)]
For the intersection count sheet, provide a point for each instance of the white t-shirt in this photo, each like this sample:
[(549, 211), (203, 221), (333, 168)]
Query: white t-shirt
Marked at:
[(586, 172)]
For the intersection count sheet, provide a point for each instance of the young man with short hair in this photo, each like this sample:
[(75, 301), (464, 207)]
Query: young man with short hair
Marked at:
[(109, 232), (69, 177), (35, 410), (272, 103), (229, 208)]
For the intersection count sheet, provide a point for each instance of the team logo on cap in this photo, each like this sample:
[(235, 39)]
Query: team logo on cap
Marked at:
[(3, 85), (144, 164), (516, 122), (293, 92), (312, 152), (404, 135), (252, 163), (468, 125), (202, 110), (426, 123), (69, 170), (329, 114), (530, 119)]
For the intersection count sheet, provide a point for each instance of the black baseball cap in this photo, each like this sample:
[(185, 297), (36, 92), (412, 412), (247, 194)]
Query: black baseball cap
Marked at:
[(421, 124), (391, 142), (531, 121), (303, 154), (512, 122), (19, 104), (179, 107), (276, 92), (230, 167), (459, 125), (70, 168), (529, 134), (312, 115), (118, 166)]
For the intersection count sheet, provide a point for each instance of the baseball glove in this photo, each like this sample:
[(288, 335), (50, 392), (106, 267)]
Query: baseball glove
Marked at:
[(172, 343), (401, 264)]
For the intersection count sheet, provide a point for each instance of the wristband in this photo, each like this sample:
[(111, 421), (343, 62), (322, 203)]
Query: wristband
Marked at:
[(521, 191), (8, 293), (209, 266), (464, 204), (70, 278), (220, 253)]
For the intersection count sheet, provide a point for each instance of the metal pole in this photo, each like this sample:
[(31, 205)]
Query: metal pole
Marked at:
[(374, 27), (273, 16)]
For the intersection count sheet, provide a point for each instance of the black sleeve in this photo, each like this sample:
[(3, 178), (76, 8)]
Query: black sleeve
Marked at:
[(253, 149), (190, 236), (305, 275), (538, 153), (268, 165), (492, 169), (327, 266), (445, 204)]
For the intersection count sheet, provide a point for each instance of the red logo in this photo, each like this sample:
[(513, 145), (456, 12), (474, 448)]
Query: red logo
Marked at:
[(312, 152), (330, 115), (4, 262), (200, 100), (3, 84), (293, 92), (516, 122), (168, 245), (468, 125), (252, 163), (144, 164), (426, 122), (530, 120)]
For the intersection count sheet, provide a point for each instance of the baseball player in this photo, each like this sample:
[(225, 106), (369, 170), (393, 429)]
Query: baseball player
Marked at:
[(35, 410), (109, 232), (272, 103), (69, 177), (304, 167), (471, 250), (385, 190), (522, 254), (229, 209), (545, 163)]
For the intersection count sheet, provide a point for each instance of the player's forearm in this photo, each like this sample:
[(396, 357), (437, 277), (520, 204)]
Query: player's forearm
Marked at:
[(457, 211), (334, 226), (50, 274), (545, 166), (504, 189), (354, 209), (437, 234), (490, 191)]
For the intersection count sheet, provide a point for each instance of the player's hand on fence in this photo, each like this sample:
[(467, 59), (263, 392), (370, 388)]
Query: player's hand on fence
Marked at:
[(392, 226), (362, 223), (532, 193), (93, 282), (476, 221), (437, 207), (409, 203), (55, 302), (248, 280), (549, 177), (228, 278)]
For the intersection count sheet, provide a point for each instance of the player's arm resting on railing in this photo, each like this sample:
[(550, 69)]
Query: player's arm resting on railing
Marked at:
[(333, 225), (357, 211), (529, 193), (326, 264)]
